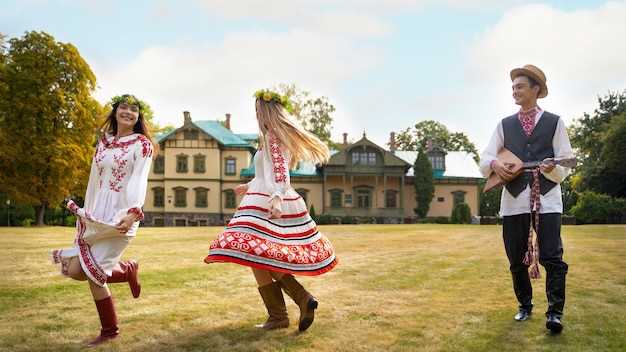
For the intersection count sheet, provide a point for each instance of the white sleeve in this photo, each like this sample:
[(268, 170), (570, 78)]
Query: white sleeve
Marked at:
[(138, 183), (94, 179), (491, 152), (562, 149), (276, 169)]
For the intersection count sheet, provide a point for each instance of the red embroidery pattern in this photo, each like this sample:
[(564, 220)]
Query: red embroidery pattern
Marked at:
[(138, 213), (85, 253), (527, 119), (118, 173), (146, 146), (313, 253), (278, 160), (267, 195)]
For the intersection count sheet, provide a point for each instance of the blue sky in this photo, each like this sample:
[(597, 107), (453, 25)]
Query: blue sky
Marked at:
[(384, 64)]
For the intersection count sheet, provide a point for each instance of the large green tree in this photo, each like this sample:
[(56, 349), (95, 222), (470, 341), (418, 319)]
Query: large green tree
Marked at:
[(424, 186), (313, 113), (418, 136), (47, 121), (599, 144)]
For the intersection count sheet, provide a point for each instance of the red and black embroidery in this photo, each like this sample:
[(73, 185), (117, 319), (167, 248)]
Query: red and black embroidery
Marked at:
[(278, 160), (146, 146)]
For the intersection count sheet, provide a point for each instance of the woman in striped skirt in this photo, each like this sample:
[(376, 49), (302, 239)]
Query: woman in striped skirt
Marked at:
[(272, 232)]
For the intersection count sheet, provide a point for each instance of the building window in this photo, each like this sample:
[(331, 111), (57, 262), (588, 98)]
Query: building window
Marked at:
[(159, 165), (390, 198), (159, 196), (348, 199), (364, 158), (335, 198), (458, 197), (181, 163), (158, 222), (440, 199), (229, 199), (201, 197), (191, 134), (304, 194), (364, 198), (437, 160), (180, 197), (199, 163), (231, 167), (371, 158), (180, 222)]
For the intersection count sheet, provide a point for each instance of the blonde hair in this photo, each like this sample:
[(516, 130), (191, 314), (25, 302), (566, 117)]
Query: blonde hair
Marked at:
[(302, 145)]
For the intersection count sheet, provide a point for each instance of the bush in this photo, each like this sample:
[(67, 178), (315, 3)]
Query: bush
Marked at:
[(597, 208), (312, 212), (27, 222), (324, 219), (348, 220), (70, 220), (434, 220), (461, 214)]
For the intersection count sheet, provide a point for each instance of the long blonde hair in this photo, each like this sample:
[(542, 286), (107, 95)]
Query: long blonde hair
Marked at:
[(302, 145)]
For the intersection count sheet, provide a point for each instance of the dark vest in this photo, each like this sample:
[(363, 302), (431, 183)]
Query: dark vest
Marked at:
[(534, 148)]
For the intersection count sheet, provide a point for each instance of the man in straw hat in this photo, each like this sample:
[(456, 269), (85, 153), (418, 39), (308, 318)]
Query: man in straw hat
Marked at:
[(532, 134)]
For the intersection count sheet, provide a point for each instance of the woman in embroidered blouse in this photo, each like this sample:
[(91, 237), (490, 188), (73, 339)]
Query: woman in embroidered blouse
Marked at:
[(271, 231), (113, 201)]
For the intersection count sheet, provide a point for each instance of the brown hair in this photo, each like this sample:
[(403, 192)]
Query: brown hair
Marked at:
[(303, 146)]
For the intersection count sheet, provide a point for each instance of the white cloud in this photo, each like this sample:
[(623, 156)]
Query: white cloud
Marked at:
[(582, 53), (214, 79)]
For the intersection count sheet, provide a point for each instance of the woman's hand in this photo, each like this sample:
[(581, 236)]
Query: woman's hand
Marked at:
[(124, 225), (241, 189), (275, 211)]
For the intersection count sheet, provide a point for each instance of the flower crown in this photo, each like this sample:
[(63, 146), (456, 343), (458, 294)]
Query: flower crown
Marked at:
[(269, 95), (127, 99)]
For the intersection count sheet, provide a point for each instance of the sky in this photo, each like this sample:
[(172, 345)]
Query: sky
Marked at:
[(384, 65)]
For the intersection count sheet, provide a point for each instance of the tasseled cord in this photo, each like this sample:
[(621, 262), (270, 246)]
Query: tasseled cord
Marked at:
[(531, 258)]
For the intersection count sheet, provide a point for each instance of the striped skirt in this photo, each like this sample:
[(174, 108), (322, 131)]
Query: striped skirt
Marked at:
[(290, 244)]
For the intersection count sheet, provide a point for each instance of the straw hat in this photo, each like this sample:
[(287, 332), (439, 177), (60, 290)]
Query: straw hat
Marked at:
[(535, 73)]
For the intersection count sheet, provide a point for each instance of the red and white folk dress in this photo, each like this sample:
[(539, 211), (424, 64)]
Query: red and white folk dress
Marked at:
[(291, 244), (117, 186)]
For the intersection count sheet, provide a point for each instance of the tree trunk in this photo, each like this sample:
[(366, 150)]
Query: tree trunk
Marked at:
[(40, 212)]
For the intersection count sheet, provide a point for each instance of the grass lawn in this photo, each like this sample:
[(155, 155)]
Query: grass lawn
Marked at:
[(396, 288)]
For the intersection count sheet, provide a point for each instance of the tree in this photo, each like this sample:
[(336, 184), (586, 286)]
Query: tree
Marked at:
[(417, 138), (424, 187), (489, 201), (598, 153), (47, 121), (314, 114), (613, 155)]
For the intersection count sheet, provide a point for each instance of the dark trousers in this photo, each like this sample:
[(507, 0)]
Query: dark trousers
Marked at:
[(515, 233)]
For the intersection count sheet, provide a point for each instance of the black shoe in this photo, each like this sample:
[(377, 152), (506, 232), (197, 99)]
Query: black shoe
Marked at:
[(523, 314), (553, 323)]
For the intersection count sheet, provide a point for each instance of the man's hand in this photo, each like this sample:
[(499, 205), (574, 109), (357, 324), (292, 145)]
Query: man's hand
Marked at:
[(503, 170), (547, 165), (241, 189)]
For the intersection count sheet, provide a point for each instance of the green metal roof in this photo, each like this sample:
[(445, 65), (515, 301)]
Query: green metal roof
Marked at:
[(216, 130), (304, 169), (248, 136)]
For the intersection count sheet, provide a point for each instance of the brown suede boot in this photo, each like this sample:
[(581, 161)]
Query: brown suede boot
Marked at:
[(304, 300), (275, 304), (108, 321), (127, 272)]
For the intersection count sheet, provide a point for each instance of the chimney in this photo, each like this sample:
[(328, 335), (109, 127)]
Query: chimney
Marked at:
[(345, 138), (187, 116), (392, 142), (227, 123)]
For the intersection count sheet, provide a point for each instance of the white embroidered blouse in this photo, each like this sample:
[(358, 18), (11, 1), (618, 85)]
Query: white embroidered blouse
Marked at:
[(271, 172), (119, 179)]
